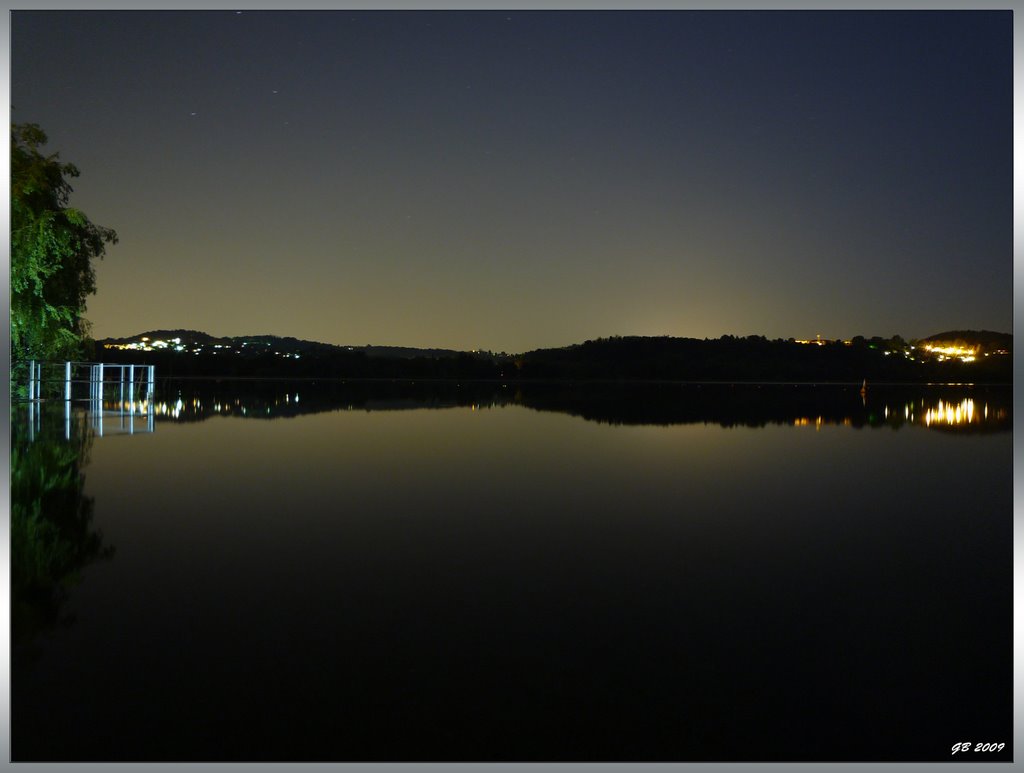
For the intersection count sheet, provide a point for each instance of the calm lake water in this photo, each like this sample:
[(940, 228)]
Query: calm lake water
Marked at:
[(275, 571)]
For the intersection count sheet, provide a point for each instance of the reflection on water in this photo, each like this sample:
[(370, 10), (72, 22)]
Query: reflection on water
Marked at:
[(52, 535), (940, 407), (688, 574), (934, 413), (961, 413), (50, 528)]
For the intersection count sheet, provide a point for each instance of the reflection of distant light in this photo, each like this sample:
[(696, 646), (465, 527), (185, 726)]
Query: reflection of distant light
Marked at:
[(950, 414), (818, 421)]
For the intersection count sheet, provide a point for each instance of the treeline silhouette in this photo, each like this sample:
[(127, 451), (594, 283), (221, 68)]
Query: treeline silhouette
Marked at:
[(752, 359), (729, 358), (317, 364)]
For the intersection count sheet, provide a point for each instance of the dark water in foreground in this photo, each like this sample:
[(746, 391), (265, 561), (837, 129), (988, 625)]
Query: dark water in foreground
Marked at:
[(274, 571)]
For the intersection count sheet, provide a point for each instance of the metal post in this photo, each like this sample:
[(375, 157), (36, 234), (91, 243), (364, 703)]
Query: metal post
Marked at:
[(149, 391), (31, 379), (31, 421), (97, 407), (67, 381), (120, 393), (131, 386), (67, 419)]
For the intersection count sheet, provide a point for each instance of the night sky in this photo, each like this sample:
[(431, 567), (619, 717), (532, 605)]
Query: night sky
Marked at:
[(513, 180)]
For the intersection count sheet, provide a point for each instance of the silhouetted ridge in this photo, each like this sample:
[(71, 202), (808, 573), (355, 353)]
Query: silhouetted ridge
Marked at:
[(987, 339), (753, 358), (957, 356)]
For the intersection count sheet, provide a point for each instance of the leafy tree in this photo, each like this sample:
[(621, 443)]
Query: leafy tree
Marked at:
[(52, 249)]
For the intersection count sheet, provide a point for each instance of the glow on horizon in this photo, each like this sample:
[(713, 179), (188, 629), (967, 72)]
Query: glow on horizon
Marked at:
[(525, 179)]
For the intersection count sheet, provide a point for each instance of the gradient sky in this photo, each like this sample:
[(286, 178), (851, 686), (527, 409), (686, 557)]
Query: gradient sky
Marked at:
[(513, 180)]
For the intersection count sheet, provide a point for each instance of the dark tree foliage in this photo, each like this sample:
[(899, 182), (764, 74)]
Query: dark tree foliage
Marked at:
[(52, 251), (751, 359)]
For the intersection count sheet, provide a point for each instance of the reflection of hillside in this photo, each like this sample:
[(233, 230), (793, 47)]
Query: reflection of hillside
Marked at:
[(759, 405), (185, 401), (977, 409), (52, 538)]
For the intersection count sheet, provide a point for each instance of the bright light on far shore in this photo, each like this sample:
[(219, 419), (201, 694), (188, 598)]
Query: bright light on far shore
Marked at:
[(964, 353)]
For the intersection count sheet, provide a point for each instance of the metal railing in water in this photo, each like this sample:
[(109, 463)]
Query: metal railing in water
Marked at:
[(60, 379), (92, 383)]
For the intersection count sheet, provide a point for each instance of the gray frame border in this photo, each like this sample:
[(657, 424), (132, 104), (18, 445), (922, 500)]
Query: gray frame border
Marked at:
[(1016, 6)]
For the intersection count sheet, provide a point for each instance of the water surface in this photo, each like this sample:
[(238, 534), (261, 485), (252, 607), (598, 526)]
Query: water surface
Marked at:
[(493, 572)]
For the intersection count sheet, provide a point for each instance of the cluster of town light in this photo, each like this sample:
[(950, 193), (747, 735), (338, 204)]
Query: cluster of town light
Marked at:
[(146, 345), (963, 353), (941, 352)]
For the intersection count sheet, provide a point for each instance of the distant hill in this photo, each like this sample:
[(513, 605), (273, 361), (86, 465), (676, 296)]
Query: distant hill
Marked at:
[(192, 340), (756, 359), (988, 340), (192, 353), (944, 357)]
